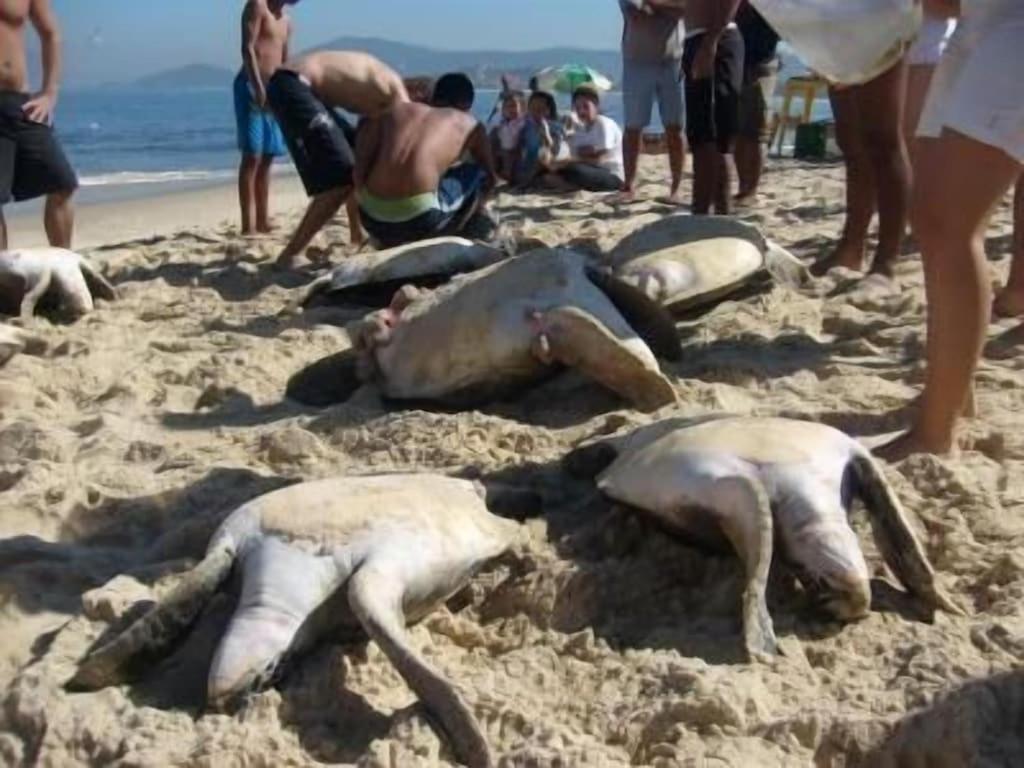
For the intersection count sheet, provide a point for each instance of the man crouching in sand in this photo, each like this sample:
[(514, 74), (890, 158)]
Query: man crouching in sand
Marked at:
[(409, 182), (304, 94)]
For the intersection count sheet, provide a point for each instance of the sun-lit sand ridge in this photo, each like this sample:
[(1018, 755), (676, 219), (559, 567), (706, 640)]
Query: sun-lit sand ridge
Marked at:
[(141, 426)]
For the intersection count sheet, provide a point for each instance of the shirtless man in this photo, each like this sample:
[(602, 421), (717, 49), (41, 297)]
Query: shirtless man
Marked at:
[(304, 94), (32, 163), (266, 30), (713, 67), (408, 182)]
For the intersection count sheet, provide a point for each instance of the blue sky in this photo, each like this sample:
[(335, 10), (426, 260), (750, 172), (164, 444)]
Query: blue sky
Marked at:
[(109, 40)]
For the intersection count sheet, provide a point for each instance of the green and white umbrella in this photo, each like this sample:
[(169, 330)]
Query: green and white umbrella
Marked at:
[(568, 77)]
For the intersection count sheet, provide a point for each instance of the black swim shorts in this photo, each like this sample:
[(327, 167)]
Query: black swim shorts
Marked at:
[(32, 163), (713, 104), (319, 139)]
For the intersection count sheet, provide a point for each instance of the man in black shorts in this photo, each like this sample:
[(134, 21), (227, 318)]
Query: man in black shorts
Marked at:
[(32, 163), (760, 70), (713, 66), (304, 95)]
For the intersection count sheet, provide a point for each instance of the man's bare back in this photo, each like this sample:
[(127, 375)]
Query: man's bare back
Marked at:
[(13, 66), (356, 82), (408, 150)]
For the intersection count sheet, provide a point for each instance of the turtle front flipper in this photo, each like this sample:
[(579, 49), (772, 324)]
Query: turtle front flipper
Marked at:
[(330, 380), (784, 267), (375, 594), (34, 292), (98, 285), (895, 538), (579, 340), (158, 628), (746, 519)]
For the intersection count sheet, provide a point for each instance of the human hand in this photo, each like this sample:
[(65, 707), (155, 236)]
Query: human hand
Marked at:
[(704, 62), (39, 109)]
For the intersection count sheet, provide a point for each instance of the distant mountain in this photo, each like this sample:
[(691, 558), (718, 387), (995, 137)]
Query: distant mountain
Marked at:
[(190, 76), (484, 67)]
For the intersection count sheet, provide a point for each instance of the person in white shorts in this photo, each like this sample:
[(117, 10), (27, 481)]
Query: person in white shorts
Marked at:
[(922, 59), (970, 151)]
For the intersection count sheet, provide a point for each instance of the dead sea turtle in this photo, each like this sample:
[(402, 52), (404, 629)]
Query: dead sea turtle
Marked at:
[(372, 278), (391, 547), (29, 274), (494, 330), (753, 479), (686, 262)]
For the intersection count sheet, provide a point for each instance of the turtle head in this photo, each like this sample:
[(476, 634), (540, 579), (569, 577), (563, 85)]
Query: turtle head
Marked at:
[(251, 655), (830, 565)]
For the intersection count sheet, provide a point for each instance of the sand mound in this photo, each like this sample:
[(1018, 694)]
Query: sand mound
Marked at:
[(125, 439)]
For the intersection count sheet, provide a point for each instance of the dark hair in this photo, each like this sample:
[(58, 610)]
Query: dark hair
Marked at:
[(549, 102), (587, 92), (454, 90)]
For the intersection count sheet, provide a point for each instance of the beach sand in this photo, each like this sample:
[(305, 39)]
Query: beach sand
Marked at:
[(139, 427)]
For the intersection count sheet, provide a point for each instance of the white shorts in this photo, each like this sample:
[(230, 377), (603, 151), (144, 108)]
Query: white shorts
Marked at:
[(931, 41), (978, 87)]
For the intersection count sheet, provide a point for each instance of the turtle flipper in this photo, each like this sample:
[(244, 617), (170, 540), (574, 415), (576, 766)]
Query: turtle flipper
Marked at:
[(749, 528), (98, 285), (895, 538), (784, 267), (330, 380), (650, 320), (35, 291), (158, 627), (375, 595), (579, 340)]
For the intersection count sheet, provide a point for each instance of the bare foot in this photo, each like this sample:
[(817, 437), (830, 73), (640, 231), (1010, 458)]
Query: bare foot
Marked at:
[(266, 228), (298, 261), (1009, 303), (673, 198), (845, 255), (624, 196), (744, 199), (883, 267), (910, 443)]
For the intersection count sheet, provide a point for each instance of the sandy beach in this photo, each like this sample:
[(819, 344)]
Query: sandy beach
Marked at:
[(126, 437)]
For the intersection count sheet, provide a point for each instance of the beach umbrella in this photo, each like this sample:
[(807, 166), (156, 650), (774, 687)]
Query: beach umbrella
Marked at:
[(568, 77)]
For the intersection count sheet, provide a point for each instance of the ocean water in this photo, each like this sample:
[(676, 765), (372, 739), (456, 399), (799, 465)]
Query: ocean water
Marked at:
[(130, 142)]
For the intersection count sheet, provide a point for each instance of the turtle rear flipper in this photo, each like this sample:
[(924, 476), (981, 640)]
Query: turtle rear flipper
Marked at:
[(98, 285), (158, 628), (375, 594), (579, 340), (895, 538), (649, 319), (784, 267)]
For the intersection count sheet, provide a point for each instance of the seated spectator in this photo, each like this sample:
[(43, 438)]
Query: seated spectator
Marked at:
[(596, 148), (506, 133), (542, 140)]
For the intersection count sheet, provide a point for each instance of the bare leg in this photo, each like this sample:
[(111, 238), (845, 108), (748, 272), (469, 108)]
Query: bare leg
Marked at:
[(1010, 301), (919, 80), (320, 210), (705, 158), (59, 219), (749, 165), (262, 191), (3, 231), (723, 183), (860, 182), (881, 110), (676, 159), (355, 221), (247, 192), (630, 158), (959, 182)]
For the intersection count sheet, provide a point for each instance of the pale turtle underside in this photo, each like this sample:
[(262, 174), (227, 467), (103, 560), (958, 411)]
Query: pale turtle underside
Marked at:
[(762, 480), (31, 275), (372, 278), (689, 262), (394, 547)]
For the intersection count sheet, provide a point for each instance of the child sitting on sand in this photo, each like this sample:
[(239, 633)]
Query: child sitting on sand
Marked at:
[(542, 139), (505, 135)]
